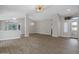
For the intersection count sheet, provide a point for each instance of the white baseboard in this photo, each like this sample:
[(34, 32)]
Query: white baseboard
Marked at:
[(26, 35), (44, 33), (11, 38)]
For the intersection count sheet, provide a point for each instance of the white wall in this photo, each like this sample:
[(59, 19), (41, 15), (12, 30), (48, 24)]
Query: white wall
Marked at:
[(56, 25), (2, 25), (44, 27), (10, 34), (32, 28), (26, 26)]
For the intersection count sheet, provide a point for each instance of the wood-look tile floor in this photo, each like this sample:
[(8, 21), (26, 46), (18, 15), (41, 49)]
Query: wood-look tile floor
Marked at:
[(40, 44)]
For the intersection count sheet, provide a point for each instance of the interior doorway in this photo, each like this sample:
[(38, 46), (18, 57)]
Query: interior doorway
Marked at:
[(74, 28), (71, 28)]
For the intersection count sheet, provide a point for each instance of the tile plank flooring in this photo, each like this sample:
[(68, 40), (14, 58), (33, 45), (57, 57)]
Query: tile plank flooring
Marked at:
[(40, 44)]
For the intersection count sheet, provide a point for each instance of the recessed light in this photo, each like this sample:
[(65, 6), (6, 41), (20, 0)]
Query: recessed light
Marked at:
[(68, 9)]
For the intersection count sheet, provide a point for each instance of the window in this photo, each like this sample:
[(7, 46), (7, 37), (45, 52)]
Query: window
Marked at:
[(74, 23), (12, 26), (9, 26), (74, 28)]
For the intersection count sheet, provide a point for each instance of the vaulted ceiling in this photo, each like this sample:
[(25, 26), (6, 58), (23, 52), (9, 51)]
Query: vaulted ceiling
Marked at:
[(19, 11)]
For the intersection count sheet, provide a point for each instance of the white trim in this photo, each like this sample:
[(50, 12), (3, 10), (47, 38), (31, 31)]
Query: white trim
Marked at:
[(12, 38), (26, 35)]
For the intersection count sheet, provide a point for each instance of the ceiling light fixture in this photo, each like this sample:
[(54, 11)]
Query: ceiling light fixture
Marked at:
[(39, 8)]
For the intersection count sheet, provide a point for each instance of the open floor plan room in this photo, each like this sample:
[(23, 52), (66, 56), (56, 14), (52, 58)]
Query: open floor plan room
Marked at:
[(39, 29)]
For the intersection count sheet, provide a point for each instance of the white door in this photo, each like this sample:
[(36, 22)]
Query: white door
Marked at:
[(74, 28)]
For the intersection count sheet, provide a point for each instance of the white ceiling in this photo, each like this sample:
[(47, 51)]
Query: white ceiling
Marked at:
[(19, 11)]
